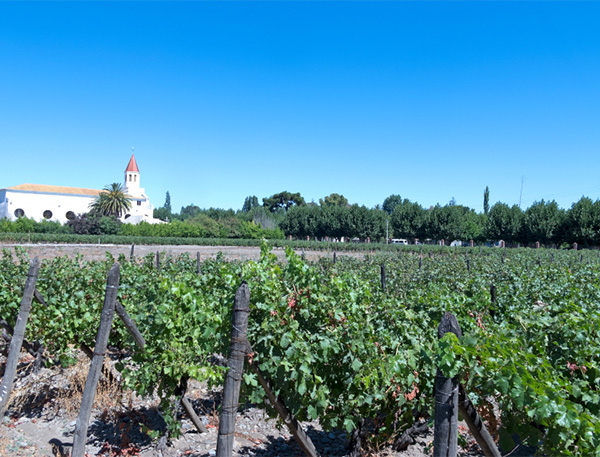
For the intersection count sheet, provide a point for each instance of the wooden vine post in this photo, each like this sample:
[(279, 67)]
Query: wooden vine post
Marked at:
[(476, 426), (445, 439), (233, 379), (288, 418), (157, 261), (383, 277), (18, 335), (89, 391), (131, 253)]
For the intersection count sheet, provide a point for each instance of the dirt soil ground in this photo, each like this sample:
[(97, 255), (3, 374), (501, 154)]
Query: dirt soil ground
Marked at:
[(43, 410), (44, 406), (98, 251)]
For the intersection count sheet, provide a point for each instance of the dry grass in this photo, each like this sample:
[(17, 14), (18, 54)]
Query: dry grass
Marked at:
[(109, 393)]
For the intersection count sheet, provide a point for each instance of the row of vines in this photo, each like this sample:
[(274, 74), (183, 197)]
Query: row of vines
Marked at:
[(339, 348)]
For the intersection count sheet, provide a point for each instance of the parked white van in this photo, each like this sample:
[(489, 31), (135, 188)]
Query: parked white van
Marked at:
[(399, 241)]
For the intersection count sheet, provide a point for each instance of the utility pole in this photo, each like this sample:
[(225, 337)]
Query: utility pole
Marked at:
[(521, 193)]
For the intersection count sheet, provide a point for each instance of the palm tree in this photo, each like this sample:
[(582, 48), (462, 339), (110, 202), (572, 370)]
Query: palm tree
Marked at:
[(112, 201)]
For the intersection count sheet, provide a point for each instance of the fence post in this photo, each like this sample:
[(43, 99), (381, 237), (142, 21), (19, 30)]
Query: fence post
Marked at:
[(445, 439), (233, 379), (18, 335), (383, 277), (476, 426), (89, 391)]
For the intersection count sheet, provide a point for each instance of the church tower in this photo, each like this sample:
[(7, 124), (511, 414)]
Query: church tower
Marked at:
[(132, 179)]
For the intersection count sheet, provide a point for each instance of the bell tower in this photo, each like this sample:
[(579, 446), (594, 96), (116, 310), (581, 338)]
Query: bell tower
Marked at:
[(132, 178)]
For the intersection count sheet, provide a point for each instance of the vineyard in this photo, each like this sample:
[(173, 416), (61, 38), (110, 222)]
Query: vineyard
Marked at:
[(352, 343)]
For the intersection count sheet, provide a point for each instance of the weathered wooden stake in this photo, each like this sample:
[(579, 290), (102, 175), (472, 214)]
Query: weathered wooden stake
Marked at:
[(476, 426), (233, 379), (383, 277), (445, 439), (198, 264), (189, 409), (288, 418), (89, 391), (131, 253), (493, 293), (130, 325), (581, 258), (157, 261), (334, 257), (18, 335), (468, 265), (420, 262)]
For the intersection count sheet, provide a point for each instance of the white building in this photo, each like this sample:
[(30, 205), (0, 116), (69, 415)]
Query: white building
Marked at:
[(57, 203)]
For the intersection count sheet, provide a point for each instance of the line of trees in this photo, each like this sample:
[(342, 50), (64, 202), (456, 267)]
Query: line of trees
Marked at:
[(543, 221), (287, 213)]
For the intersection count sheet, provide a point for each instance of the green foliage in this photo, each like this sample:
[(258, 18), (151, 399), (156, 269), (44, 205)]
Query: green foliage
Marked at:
[(486, 200), (542, 222), (250, 203), (283, 201), (339, 349), (390, 203), (504, 223), (408, 220), (112, 201), (334, 200)]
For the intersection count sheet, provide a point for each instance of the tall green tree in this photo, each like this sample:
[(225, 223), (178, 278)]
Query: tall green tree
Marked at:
[(486, 200), (504, 223), (390, 203), (543, 222), (582, 222), (167, 204), (112, 201), (249, 203), (408, 220), (283, 200), (334, 200), (188, 212)]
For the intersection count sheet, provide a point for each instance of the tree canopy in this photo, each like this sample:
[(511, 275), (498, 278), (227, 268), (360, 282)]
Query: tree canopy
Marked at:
[(112, 201), (283, 200), (333, 200)]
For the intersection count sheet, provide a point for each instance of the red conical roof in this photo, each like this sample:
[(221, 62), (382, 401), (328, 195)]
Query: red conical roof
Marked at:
[(132, 166)]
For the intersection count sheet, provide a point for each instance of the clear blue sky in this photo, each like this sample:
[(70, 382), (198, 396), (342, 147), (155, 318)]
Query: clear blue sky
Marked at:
[(429, 100)]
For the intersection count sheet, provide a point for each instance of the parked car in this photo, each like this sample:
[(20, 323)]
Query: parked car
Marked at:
[(399, 241)]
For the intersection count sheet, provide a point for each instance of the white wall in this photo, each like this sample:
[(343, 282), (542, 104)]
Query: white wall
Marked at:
[(34, 204)]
